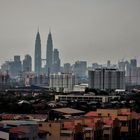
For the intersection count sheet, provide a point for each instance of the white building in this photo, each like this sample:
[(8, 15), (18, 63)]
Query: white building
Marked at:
[(87, 98), (4, 135), (105, 78), (80, 88), (62, 82)]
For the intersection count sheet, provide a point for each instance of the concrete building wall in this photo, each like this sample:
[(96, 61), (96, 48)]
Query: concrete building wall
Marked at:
[(62, 82), (4, 135), (53, 129), (108, 112), (106, 79)]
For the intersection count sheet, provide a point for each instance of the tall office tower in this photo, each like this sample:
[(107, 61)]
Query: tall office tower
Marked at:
[(38, 54), (15, 66), (106, 79), (133, 71), (80, 68), (27, 63), (67, 68), (49, 54), (56, 61)]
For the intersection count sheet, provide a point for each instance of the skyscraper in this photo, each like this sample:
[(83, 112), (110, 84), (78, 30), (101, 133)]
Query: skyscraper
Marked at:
[(79, 70), (49, 54), (56, 61), (38, 54), (15, 67), (27, 63)]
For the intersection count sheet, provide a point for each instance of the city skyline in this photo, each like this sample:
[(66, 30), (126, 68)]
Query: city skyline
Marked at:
[(94, 31)]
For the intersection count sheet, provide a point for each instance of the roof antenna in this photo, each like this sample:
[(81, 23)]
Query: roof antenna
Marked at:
[(49, 30), (38, 29)]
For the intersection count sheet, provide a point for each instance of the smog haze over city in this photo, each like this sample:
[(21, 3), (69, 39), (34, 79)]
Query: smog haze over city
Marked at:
[(91, 30)]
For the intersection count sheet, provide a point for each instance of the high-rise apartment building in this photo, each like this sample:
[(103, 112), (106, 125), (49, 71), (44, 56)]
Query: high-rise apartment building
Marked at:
[(106, 79), (62, 82), (38, 54), (49, 54)]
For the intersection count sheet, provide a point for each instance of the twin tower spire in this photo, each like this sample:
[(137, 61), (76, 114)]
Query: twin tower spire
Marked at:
[(49, 54)]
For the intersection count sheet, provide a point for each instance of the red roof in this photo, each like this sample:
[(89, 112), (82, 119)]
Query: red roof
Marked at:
[(91, 114), (13, 130), (8, 116), (125, 113), (89, 122), (69, 125), (108, 121)]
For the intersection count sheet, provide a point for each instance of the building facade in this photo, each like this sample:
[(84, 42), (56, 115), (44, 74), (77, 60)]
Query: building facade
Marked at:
[(49, 54), (38, 54), (27, 63), (79, 70), (106, 79), (67, 68), (62, 82), (56, 61), (133, 71), (15, 66)]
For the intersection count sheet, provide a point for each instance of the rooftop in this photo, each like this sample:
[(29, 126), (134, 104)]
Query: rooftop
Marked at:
[(68, 110)]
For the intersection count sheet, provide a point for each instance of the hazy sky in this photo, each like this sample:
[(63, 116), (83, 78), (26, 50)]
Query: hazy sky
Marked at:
[(92, 30)]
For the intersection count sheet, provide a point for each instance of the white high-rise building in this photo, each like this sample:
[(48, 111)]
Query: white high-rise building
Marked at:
[(62, 82), (106, 79)]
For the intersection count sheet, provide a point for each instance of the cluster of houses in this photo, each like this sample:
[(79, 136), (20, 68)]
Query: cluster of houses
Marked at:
[(102, 124)]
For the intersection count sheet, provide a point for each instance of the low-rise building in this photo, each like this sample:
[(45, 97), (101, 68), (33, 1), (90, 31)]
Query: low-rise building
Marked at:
[(86, 97), (107, 124)]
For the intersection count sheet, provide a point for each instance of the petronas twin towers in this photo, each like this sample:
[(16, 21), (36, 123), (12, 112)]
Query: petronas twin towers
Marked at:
[(49, 55)]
